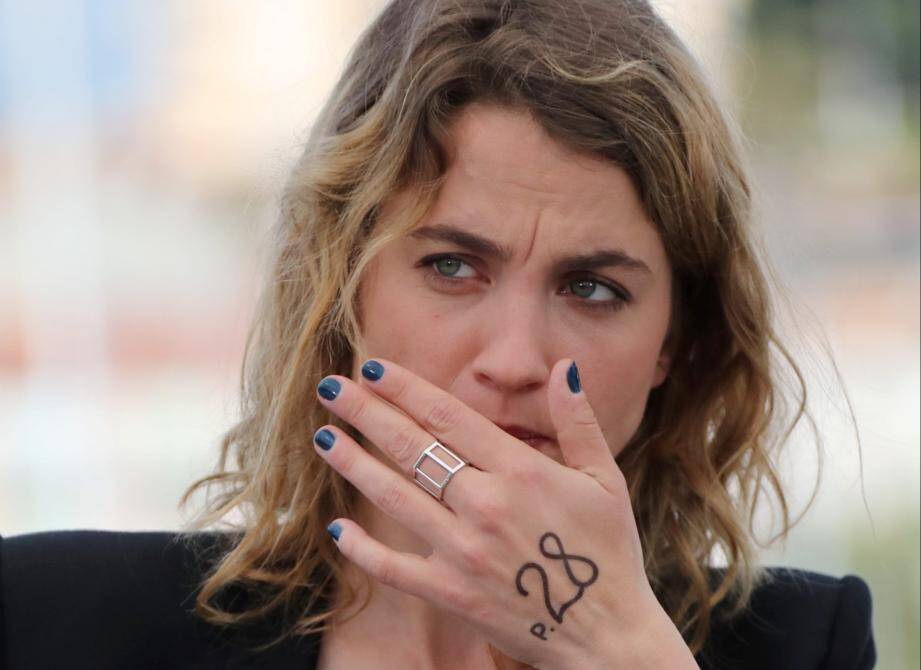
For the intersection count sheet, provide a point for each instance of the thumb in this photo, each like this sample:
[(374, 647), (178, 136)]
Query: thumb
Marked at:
[(578, 432)]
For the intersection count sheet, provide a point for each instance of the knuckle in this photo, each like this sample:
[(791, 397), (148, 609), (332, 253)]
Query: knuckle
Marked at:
[(480, 607), (382, 568), (583, 416), (475, 559), (357, 408), (400, 389), (345, 462), (403, 445), (458, 598), (487, 513), (441, 416), (392, 499), (529, 477)]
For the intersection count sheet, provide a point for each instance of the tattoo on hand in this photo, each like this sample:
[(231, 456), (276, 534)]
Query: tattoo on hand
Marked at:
[(539, 629)]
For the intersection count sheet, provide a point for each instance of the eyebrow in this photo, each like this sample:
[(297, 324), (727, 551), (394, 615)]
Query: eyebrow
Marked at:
[(483, 246)]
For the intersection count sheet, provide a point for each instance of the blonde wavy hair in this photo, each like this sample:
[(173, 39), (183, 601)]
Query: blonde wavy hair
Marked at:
[(604, 76)]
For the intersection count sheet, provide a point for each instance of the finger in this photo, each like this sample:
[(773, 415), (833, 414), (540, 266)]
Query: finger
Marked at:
[(400, 438), (393, 494), (398, 435), (580, 437), (457, 425), (407, 572)]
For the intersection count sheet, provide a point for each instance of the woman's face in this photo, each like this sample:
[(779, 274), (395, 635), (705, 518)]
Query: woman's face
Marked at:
[(496, 283)]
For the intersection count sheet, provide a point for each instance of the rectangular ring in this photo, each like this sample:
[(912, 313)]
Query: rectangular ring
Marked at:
[(445, 459)]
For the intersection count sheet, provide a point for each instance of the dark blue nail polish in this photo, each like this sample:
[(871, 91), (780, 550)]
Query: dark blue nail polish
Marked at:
[(329, 388), (335, 530), (372, 370), (324, 438), (572, 378)]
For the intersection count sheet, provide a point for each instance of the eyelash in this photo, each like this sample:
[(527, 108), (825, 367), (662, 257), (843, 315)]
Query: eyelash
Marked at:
[(622, 300)]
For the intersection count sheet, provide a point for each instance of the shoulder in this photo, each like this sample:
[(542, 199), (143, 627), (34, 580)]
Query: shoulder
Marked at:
[(798, 619), (103, 550), (109, 599), (98, 571)]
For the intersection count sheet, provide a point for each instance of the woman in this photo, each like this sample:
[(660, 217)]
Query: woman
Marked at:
[(516, 301)]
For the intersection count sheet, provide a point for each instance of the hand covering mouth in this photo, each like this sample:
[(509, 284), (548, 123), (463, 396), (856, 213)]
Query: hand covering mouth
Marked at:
[(522, 433)]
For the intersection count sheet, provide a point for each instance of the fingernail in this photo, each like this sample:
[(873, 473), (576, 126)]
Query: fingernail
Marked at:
[(335, 530), (572, 378), (329, 388), (372, 370), (324, 438)]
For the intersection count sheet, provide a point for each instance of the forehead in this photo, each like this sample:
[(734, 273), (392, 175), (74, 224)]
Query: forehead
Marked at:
[(507, 178), (489, 141)]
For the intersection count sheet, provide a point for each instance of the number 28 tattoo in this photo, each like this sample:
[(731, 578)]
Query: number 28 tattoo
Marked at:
[(539, 629)]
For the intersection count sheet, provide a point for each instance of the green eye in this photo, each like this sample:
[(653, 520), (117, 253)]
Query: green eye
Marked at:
[(447, 270), (448, 266), (583, 287)]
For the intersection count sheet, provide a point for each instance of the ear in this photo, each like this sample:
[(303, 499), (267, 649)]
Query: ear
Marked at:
[(664, 363), (662, 367)]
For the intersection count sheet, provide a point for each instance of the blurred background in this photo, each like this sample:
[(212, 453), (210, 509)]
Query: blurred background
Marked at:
[(142, 146)]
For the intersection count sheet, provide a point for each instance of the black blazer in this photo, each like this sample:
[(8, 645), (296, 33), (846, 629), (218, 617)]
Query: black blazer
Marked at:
[(100, 599)]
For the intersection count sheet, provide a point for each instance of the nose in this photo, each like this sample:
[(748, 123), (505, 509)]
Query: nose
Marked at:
[(513, 353)]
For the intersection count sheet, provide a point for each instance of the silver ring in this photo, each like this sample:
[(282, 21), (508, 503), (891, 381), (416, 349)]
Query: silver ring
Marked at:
[(446, 460)]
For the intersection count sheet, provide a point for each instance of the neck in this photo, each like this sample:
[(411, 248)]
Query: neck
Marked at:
[(407, 630)]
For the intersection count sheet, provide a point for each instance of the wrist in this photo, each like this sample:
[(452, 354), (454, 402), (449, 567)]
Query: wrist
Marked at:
[(654, 643), (663, 648)]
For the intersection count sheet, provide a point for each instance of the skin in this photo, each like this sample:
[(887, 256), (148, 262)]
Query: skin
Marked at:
[(491, 338)]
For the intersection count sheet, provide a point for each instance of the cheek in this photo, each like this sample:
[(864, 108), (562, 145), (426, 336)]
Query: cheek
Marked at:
[(402, 325), (618, 388)]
